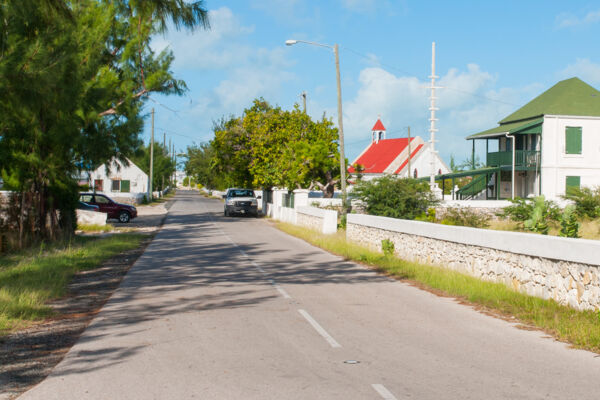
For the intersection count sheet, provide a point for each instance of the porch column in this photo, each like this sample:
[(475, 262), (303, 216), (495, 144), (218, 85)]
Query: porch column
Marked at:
[(473, 155)]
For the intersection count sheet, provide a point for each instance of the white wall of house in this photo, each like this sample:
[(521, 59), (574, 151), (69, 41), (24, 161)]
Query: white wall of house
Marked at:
[(422, 164), (138, 180), (557, 165)]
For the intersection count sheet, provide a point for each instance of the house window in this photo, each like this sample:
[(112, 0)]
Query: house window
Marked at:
[(125, 186), (98, 185), (573, 140), (572, 182), (415, 174), (122, 186)]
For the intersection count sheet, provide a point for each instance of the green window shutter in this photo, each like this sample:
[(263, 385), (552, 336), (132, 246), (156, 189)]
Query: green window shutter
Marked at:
[(573, 140), (572, 182), (125, 186)]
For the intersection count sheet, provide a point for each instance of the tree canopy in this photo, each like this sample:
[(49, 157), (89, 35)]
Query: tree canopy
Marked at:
[(269, 147), (74, 77)]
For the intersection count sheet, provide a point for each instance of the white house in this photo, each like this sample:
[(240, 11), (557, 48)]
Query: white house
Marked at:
[(391, 157), (554, 141), (123, 183)]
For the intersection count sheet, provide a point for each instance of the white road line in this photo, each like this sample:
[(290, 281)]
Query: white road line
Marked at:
[(258, 267), (280, 289), (383, 392), (319, 329)]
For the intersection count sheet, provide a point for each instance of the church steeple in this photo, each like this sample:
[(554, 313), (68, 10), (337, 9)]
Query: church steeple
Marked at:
[(378, 131)]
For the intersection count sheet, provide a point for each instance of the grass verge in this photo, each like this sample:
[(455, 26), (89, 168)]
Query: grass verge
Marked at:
[(579, 328), (95, 228), (28, 280)]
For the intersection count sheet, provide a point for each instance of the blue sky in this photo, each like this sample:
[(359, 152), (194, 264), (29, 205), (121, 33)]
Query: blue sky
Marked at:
[(492, 57)]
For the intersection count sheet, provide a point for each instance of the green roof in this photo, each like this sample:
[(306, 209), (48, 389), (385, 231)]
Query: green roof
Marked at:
[(533, 125), (568, 97)]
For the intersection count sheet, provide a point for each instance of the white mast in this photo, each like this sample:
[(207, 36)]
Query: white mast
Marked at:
[(432, 118)]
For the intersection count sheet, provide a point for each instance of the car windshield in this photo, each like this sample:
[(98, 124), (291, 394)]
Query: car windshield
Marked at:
[(241, 193)]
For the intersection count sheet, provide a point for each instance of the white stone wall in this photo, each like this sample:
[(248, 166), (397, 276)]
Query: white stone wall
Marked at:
[(566, 270), (85, 217), (324, 221)]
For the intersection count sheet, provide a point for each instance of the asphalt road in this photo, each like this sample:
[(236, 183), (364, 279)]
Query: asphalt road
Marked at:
[(231, 308)]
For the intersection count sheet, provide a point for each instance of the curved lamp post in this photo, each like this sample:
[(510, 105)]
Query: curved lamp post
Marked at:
[(335, 49)]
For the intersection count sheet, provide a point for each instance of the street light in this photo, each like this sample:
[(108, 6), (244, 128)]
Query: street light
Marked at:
[(335, 49)]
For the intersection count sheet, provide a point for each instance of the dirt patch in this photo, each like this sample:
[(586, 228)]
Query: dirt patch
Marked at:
[(29, 355)]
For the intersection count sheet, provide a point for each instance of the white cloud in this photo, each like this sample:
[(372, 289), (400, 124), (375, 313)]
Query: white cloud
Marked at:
[(467, 105), (584, 69), (220, 46), (567, 20)]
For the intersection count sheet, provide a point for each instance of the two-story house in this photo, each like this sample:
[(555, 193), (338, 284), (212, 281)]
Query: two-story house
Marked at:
[(546, 146)]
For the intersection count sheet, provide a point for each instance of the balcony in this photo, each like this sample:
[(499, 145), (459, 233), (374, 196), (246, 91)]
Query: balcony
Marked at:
[(523, 158)]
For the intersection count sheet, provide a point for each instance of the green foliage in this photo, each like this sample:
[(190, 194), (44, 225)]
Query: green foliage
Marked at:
[(271, 147), (29, 279), (519, 211), (388, 247), (465, 217), (394, 197), (569, 227), (533, 214), (343, 221), (199, 164), (427, 216), (74, 77), (538, 220), (164, 165), (587, 201)]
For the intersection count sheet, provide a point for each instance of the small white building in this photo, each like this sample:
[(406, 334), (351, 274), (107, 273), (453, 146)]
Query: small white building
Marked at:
[(551, 143), (396, 157), (120, 182)]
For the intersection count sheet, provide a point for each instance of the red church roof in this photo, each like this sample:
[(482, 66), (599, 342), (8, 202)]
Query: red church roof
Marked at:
[(378, 126), (379, 156)]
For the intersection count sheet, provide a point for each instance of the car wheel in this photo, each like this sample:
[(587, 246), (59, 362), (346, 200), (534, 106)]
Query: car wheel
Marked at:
[(124, 217), (225, 213)]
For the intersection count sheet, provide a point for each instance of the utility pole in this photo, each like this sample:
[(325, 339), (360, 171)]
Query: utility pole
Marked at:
[(164, 140), (151, 159), (341, 128), (303, 95), (408, 152)]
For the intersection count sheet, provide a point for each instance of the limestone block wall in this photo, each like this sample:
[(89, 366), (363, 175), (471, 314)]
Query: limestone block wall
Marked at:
[(566, 270), (324, 221)]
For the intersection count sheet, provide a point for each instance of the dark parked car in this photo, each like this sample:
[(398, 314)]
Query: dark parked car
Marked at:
[(87, 207), (122, 212), (241, 201)]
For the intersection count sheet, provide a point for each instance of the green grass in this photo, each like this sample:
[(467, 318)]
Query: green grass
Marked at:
[(28, 280), (95, 228), (580, 328)]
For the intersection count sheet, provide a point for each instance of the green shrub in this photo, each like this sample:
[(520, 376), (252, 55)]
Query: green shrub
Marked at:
[(569, 227), (394, 197), (465, 217), (587, 201), (427, 216), (342, 223), (538, 221), (522, 210), (387, 246)]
